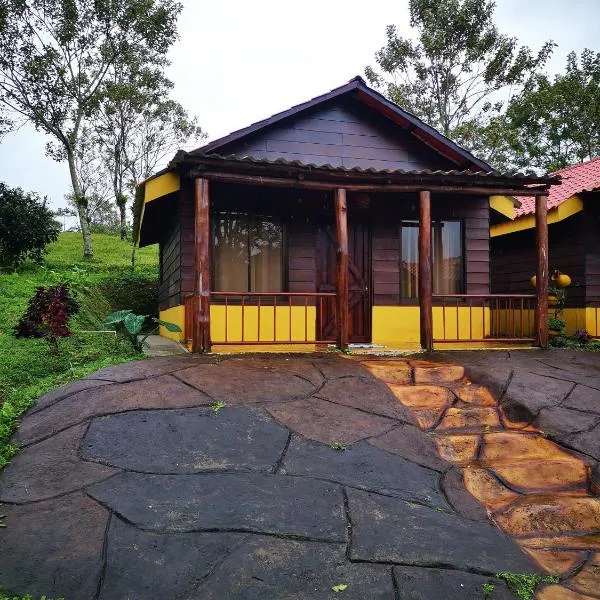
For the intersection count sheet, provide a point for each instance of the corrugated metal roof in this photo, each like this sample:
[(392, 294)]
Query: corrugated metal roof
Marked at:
[(583, 177), (371, 170)]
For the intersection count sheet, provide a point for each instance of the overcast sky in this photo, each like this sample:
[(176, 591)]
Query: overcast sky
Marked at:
[(238, 62)]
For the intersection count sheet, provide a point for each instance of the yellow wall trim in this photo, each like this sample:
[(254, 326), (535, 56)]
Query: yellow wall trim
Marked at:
[(505, 205), (563, 211), (176, 315), (161, 186)]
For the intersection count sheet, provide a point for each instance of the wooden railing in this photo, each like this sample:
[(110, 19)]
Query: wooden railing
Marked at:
[(245, 318), (483, 318)]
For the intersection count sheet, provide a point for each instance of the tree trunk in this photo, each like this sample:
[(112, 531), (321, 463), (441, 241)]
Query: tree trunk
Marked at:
[(81, 213), (122, 214)]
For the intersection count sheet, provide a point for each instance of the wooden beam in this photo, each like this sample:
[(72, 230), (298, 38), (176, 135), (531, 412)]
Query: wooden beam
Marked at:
[(201, 338), (461, 188), (341, 236), (541, 235), (425, 275)]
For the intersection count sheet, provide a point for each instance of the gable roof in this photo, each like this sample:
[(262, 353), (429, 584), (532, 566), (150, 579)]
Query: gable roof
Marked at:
[(583, 177), (358, 89)]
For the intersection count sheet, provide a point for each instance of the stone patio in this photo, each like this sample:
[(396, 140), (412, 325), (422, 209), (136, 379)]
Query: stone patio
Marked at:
[(130, 485)]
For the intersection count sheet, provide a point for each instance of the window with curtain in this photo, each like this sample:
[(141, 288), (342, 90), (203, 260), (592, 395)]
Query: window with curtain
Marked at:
[(446, 255), (247, 253)]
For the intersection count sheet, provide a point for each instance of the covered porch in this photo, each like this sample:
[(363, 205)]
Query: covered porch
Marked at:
[(283, 255)]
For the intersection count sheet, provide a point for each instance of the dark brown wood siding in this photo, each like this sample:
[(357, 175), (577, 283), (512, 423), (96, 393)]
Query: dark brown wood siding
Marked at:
[(389, 212), (342, 133), (513, 259), (591, 226), (170, 263)]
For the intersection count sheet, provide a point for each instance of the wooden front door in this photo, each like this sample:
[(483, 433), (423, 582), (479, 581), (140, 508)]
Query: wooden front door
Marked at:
[(359, 280)]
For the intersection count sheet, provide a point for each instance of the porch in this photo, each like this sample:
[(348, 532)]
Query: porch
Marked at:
[(279, 255)]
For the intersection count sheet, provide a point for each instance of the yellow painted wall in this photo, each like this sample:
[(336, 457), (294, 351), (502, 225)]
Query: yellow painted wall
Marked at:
[(267, 326), (505, 205), (161, 186), (176, 315), (400, 324)]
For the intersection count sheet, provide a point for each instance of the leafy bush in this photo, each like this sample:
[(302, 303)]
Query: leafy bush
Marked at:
[(556, 324), (26, 226), (137, 328), (136, 290), (47, 315)]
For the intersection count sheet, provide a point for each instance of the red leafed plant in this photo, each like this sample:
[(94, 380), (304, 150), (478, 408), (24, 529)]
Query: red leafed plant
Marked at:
[(47, 315)]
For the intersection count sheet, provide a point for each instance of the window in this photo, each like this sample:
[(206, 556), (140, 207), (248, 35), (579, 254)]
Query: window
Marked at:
[(247, 253), (446, 254)]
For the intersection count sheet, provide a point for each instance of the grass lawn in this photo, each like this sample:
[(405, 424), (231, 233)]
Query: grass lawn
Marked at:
[(27, 367)]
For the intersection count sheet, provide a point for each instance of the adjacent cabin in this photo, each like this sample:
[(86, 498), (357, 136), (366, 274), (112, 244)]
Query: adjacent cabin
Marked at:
[(343, 220), (573, 245)]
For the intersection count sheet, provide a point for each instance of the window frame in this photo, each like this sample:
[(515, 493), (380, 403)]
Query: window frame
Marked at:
[(415, 223), (250, 216)]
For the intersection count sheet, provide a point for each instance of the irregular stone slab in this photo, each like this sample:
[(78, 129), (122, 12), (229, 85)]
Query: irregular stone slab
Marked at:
[(477, 395), (53, 547), (161, 392), (140, 369), (142, 565), (587, 442), (235, 382), (584, 398), (540, 475), (427, 418), (548, 514), (416, 583), (560, 422), (558, 592), (495, 378), (227, 501), (438, 374), (567, 542), (587, 581), (297, 365), (66, 390), (487, 489), (389, 371), (366, 394), (460, 499), (527, 394), (392, 530), (475, 419), (365, 467), (505, 447), (341, 367), (50, 468), (327, 422), (557, 562), (186, 441), (276, 569), (458, 449), (411, 443), (423, 396)]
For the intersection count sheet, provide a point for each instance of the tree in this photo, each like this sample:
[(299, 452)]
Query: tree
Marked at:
[(26, 226), (55, 57), (455, 74), (137, 127), (552, 124)]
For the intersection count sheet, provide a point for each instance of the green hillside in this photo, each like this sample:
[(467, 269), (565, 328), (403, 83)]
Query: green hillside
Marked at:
[(107, 282)]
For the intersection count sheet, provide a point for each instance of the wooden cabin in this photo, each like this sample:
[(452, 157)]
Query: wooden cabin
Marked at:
[(573, 210), (343, 220)]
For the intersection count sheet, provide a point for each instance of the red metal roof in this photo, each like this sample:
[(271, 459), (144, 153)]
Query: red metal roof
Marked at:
[(583, 177)]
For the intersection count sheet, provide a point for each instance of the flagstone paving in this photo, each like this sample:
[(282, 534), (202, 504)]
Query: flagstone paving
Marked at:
[(398, 479)]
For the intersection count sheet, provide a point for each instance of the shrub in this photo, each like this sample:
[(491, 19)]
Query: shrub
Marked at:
[(47, 315), (137, 328), (26, 226)]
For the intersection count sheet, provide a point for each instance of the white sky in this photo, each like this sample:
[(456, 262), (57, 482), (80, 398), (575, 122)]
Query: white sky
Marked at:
[(238, 62)]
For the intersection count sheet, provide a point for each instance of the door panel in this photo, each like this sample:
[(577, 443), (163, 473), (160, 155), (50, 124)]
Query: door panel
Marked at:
[(359, 280)]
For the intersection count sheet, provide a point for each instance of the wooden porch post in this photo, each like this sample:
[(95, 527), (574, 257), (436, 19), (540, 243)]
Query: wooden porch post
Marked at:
[(201, 337), (341, 232), (541, 303), (425, 282)]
